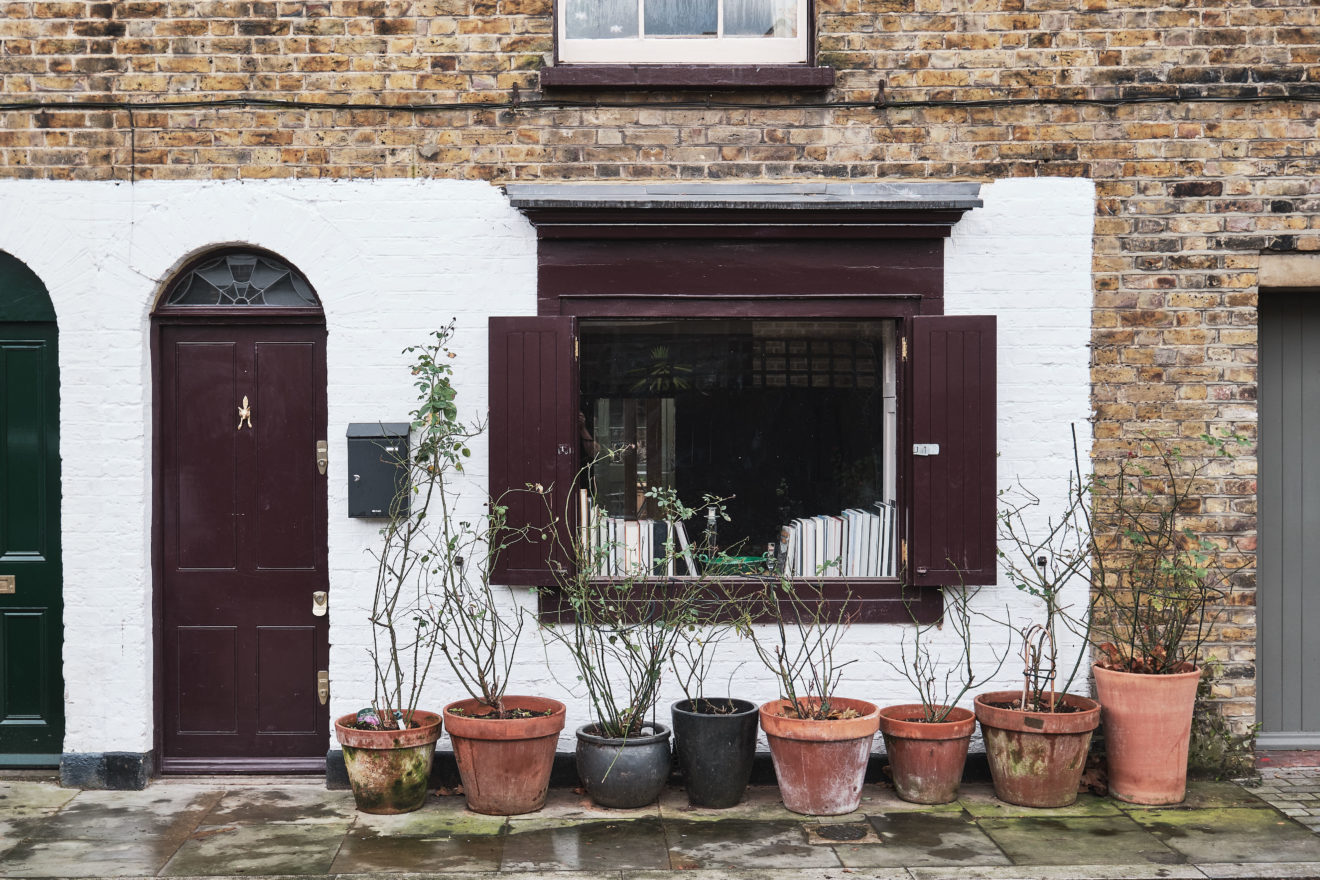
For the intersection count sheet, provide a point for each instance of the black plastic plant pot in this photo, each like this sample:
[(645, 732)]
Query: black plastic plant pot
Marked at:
[(623, 773), (715, 749)]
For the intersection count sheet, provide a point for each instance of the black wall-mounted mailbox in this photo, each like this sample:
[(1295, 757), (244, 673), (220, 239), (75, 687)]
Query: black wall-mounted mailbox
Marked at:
[(377, 467)]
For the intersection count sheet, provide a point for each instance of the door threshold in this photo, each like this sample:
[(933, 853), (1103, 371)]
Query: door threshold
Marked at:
[(242, 766)]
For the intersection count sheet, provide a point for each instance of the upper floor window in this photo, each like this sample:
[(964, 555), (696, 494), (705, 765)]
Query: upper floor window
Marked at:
[(683, 31)]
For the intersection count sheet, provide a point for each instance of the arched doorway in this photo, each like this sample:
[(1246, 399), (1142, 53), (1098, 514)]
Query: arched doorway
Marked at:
[(31, 573), (240, 501)]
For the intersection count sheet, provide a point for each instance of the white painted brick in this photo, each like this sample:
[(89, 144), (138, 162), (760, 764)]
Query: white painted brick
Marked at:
[(392, 260)]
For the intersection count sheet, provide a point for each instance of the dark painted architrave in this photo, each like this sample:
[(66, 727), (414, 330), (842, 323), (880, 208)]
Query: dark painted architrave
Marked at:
[(864, 251), (25, 297), (533, 442), (952, 406)]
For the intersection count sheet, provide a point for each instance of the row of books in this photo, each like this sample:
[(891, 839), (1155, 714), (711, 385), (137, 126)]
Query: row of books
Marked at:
[(854, 543), (619, 547)]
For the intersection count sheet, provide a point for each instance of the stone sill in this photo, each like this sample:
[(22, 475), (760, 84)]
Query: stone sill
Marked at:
[(687, 76)]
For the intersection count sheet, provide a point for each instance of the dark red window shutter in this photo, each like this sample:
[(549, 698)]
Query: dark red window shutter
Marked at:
[(533, 437), (952, 400)]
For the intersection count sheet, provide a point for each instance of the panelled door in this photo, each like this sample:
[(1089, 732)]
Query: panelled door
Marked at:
[(1288, 554), (31, 633), (242, 498)]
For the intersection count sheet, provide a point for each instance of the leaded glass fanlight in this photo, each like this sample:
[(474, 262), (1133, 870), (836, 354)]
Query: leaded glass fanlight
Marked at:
[(242, 279)]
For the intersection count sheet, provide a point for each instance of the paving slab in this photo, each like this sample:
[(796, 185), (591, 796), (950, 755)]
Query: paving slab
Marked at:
[(1078, 840), (1231, 835), (22, 798), (761, 874), (42, 857), (1206, 795), (445, 819), (219, 850), (1308, 870), (575, 845), (161, 814), (466, 853), (981, 802), (759, 802), (912, 838), (1069, 872), (263, 806), (565, 803), (738, 843)]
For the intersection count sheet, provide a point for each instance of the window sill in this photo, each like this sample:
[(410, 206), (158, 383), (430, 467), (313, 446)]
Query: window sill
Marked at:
[(687, 76)]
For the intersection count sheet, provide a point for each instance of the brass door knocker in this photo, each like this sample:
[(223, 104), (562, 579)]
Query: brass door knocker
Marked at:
[(244, 414)]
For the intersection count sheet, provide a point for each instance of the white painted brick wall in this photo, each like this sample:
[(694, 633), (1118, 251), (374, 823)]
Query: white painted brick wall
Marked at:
[(392, 260)]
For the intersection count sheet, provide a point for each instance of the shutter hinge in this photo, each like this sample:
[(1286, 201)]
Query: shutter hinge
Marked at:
[(577, 349), (903, 551), (904, 349)]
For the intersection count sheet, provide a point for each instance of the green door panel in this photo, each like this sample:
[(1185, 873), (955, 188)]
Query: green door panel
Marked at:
[(31, 627)]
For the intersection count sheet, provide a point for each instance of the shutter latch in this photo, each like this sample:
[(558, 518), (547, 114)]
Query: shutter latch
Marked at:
[(925, 449)]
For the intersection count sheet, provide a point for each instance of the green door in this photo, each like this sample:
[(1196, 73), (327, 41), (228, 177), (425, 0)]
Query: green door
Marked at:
[(31, 606)]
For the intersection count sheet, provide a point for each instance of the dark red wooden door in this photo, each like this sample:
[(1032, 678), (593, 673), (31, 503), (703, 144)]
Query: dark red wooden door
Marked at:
[(242, 546)]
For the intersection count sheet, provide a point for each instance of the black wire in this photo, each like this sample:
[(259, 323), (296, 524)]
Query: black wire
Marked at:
[(1306, 96)]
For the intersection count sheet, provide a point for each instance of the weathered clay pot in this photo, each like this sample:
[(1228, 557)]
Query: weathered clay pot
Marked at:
[(820, 765), (1148, 724), (389, 769), (505, 763), (715, 749), (926, 759), (623, 773), (1036, 758)]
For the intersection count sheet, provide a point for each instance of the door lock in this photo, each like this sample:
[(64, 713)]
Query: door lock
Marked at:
[(322, 455), (8, 583), (320, 603), (323, 686)]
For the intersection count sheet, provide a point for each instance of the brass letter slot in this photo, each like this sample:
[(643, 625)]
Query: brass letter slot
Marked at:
[(323, 686), (8, 583)]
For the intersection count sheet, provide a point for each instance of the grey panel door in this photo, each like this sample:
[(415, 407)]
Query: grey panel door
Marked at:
[(1288, 550)]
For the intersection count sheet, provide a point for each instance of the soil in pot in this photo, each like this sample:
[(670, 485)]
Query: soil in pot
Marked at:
[(820, 765), (714, 745), (926, 758), (389, 769), (1148, 725), (505, 763), (1036, 758), (623, 773)]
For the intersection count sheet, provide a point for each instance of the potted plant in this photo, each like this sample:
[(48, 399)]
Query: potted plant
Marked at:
[(504, 745), (714, 737), (820, 743), (622, 630), (1157, 584), (1037, 738), (389, 748), (927, 741)]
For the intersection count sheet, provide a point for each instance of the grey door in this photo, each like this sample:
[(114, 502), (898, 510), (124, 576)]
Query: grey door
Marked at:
[(1288, 551)]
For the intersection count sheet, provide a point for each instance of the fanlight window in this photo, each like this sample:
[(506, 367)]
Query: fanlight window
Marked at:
[(242, 280)]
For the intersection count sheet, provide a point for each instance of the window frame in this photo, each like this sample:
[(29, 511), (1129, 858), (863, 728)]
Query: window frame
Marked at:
[(685, 50), (637, 254)]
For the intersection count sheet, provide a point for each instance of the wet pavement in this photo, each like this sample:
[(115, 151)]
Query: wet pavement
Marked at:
[(289, 827)]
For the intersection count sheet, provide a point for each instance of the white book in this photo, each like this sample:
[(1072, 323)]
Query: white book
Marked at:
[(835, 551), (632, 548), (685, 548), (808, 547), (822, 544), (790, 547)]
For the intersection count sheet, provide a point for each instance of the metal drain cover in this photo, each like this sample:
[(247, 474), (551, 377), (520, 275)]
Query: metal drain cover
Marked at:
[(843, 832)]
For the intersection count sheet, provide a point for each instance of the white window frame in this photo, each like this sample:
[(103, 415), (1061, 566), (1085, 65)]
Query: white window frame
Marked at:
[(718, 49)]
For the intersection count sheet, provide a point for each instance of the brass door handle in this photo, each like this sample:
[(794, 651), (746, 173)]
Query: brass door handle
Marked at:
[(320, 603), (323, 686), (8, 583), (322, 455)]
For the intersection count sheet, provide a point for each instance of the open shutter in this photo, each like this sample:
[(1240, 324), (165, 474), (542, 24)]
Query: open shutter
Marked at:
[(952, 411), (533, 437)]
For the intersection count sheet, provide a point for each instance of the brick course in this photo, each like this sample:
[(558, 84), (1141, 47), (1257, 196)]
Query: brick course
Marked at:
[(1205, 157)]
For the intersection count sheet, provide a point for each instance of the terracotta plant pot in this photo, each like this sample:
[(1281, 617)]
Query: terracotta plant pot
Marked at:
[(1148, 724), (505, 763), (820, 765), (926, 759), (389, 769), (1036, 758)]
